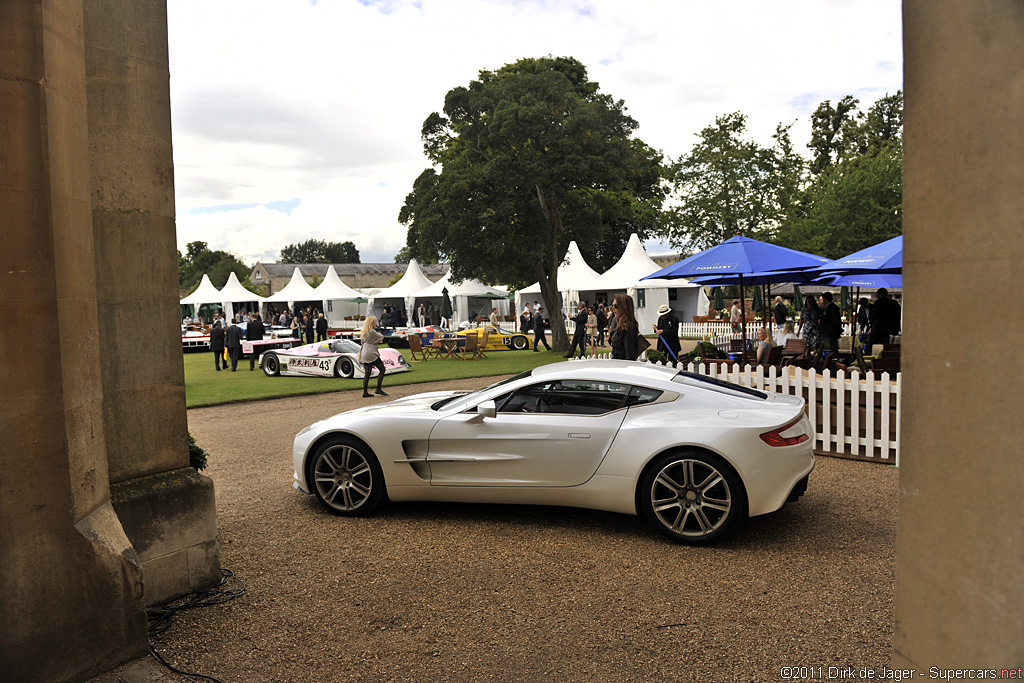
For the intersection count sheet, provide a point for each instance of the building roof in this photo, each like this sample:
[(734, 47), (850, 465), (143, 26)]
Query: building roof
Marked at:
[(348, 269)]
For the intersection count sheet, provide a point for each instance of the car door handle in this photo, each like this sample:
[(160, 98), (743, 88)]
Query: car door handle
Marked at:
[(579, 435)]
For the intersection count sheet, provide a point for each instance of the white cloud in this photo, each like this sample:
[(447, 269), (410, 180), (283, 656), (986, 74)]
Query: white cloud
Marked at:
[(281, 99)]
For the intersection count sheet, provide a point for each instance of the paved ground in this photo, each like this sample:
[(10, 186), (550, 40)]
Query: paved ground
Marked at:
[(431, 592)]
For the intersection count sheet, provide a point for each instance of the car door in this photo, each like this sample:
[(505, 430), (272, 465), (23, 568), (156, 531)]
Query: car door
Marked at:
[(553, 433)]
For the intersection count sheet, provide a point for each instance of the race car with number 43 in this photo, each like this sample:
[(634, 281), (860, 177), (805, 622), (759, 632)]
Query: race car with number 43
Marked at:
[(337, 358), (498, 340)]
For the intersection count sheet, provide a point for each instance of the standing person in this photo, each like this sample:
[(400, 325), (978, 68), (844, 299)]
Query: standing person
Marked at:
[(538, 331), (293, 325), (494, 319), (254, 332), (217, 343), (624, 333), (591, 326), (421, 315), (667, 329), (736, 316), (602, 324), (525, 321), (831, 324), (369, 356), (579, 335), (780, 313), (862, 320), (307, 322), (886, 316), (810, 316), (233, 341), (321, 328)]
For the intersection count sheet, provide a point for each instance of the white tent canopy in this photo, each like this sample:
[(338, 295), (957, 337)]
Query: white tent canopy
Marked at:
[(234, 293), (465, 298), (401, 293), (574, 275), (336, 296), (205, 293), (296, 290)]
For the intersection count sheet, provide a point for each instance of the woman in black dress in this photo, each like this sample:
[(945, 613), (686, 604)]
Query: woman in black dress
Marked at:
[(623, 335)]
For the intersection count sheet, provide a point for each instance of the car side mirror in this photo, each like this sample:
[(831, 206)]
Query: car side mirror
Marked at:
[(486, 409)]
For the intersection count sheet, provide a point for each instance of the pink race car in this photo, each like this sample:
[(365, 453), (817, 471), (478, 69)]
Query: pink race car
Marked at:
[(337, 358)]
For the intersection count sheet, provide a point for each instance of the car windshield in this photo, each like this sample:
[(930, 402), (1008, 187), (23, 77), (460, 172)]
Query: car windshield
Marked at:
[(463, 400), (684, 377), (344, 346)]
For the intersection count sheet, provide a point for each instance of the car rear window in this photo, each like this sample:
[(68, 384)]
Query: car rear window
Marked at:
[(684, 377)]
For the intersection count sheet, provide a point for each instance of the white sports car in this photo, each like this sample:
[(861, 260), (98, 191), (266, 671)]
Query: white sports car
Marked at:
[(693, 455), (336, 358)]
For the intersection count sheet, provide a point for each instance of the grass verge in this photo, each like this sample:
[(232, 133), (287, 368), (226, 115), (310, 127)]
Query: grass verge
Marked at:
[(204, 386)]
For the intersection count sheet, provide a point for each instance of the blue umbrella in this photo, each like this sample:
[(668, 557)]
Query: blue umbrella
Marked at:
[(740, 257), (868, 280), (885, 258)]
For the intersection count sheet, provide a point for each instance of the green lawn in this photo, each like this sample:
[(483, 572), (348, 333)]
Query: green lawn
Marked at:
[(204, 386)]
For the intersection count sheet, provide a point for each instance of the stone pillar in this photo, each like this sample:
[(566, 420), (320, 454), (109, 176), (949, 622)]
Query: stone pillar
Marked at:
[(961, 530), (71, 602), (167, 509)]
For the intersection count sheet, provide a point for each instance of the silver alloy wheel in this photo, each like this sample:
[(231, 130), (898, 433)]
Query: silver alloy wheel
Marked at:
[(343, 478), (271, 366), (691, 497), (520, 343)]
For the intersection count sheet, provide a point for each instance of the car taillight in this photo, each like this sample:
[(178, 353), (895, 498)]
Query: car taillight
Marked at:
[(776, 439)]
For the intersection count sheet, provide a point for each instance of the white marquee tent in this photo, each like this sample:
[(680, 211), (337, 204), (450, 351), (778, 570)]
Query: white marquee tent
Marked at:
[(466, 298), (297, 291), (205, 293), (234, 293), (402, 293), (336, 296), (574, 275)]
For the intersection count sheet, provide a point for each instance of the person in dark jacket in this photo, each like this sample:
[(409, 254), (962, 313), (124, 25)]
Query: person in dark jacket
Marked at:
[(321, 328), (254, 332), (217, 344), (623, 335), (579, 336), (307, 323), (667, 329), (886, 315), (233, 342), (602, 324), (538, 330), (831, 325)]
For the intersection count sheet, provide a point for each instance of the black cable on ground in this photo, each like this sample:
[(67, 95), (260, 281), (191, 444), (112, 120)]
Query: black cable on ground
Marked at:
[(160, 616)]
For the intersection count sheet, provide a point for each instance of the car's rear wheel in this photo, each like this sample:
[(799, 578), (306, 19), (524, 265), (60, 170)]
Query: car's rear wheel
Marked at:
[(345, 476), (271, 365), (520, 343), (345, 368), (692, 497)]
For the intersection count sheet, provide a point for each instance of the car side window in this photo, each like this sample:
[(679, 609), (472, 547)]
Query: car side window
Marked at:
[(640, 395), (567, 397)]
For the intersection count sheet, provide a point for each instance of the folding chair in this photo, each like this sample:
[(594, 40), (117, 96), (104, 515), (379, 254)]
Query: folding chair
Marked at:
[(470, 347), (793, 350), (416, 348), (482, 345)]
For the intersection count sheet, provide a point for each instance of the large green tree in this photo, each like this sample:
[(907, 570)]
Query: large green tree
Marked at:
[(728, 185), (320, 251), (528, 158), (200, 260)]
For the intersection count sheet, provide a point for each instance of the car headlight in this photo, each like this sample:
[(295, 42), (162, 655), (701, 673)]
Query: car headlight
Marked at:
[(312, 426)]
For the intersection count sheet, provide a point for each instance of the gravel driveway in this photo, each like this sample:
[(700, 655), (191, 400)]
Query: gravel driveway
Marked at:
[(444, 592)]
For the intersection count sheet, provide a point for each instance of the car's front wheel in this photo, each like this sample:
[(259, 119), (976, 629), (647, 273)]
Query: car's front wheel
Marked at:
[(520, 343), (345, 368), (692, 497), (271, 365), (346, 477)]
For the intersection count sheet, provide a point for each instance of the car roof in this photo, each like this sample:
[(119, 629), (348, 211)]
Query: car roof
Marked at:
[(624, 371)]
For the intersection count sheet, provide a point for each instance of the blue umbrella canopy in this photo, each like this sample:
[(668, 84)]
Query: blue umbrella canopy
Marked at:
[(740, 256), (867, 280), (885, 258)]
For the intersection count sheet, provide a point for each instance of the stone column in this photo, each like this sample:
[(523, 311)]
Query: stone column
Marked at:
[(167, 509), (961, 535), (71, 602)]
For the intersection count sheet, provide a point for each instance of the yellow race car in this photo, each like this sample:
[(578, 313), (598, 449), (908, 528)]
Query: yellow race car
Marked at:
[(498, 340)]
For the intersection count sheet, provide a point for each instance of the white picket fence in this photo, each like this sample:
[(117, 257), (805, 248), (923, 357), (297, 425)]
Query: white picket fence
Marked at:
[(853, 416), (719, 329)]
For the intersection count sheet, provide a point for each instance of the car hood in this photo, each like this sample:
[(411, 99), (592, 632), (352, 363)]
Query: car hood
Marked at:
[(415, 403)]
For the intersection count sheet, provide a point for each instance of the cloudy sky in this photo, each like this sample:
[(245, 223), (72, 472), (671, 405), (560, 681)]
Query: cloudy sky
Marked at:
[(299, 119)]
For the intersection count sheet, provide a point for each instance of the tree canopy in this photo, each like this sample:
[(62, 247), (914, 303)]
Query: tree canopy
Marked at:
[(526, 159), (199, 259), (320, 251)]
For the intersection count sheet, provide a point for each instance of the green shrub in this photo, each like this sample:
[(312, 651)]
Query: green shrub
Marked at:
[(196, 455), (655, 356)]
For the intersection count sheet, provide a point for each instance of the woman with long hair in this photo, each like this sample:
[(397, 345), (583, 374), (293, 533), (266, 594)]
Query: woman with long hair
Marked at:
[(623, 335), (369, 356), (810, 316)]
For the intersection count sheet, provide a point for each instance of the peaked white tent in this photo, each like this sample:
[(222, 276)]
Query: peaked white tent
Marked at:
[(205, 293), (467, 298), (336, 296), (234, 293), (402, 293), (297, 291), (574, 275), (684, 298)]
